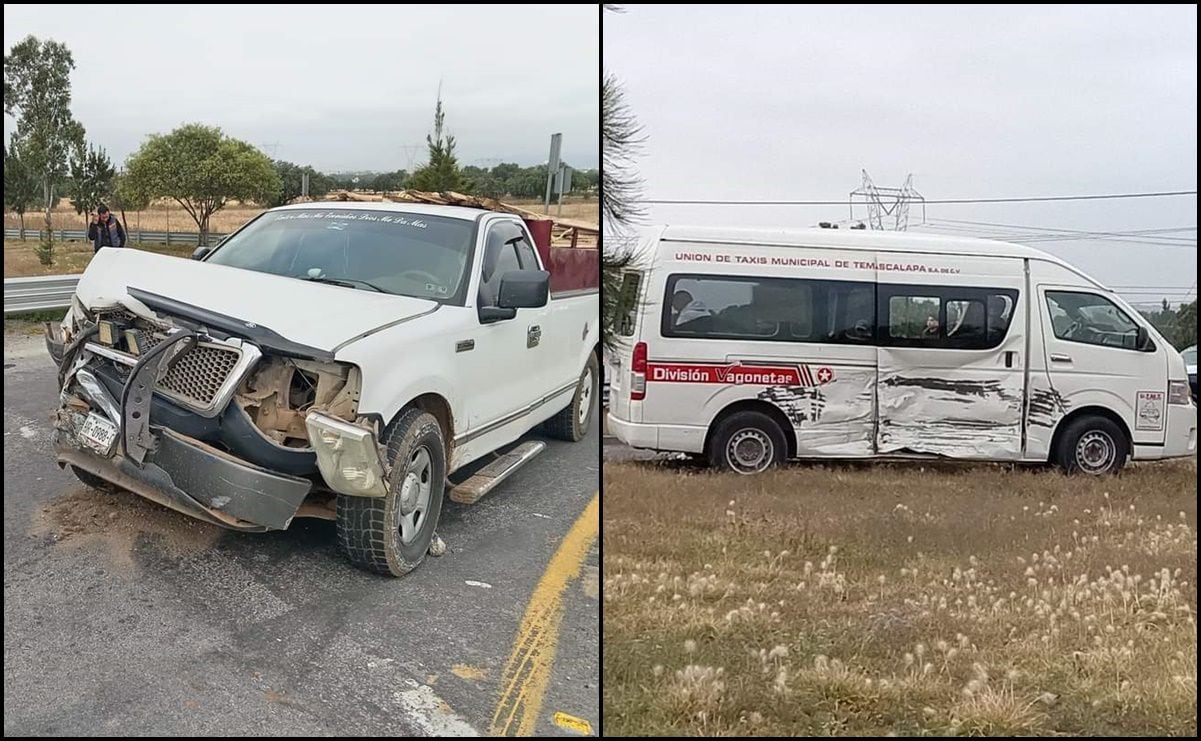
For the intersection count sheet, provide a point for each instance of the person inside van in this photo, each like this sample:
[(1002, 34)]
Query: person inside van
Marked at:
[(684, 308), (931, 326)]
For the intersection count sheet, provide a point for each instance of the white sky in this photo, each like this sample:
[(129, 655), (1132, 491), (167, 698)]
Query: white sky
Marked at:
[(791, 102), (340, 87)]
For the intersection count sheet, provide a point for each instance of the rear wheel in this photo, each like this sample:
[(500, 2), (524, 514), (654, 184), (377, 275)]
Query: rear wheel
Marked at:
[(391, 534), (1092, 445), (747, 443), (571, 424), (93, 481)]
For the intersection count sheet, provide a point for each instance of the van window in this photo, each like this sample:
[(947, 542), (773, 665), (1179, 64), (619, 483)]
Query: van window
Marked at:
[(850, 312), (624, 312), (1091, 319), (770, 309), (952, 317), (914, 318), (738, 308)]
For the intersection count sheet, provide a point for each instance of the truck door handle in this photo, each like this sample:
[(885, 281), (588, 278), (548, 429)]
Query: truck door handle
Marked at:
[(1009, 354), (1058, 357)]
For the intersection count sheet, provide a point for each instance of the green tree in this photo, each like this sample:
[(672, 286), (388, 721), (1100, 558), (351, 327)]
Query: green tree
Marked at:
[(387, 181), (292, 182), (1186, 325), (124, 195), (441, 173), (37, 93), (21, 187), (202, 169), (91, 179), (621, 137)]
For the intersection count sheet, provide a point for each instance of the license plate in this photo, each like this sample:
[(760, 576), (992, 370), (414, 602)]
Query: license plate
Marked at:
[(98, 433)]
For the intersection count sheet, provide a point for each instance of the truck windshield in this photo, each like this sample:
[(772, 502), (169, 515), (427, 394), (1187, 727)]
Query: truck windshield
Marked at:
[(401, 253)]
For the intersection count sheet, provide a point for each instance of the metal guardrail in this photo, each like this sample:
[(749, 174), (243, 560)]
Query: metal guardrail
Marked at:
[(132, 235), (40, 293)]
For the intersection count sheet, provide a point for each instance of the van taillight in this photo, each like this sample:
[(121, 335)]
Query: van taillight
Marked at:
[(638, 373)]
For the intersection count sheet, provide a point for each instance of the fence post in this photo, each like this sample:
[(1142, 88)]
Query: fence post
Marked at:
[(168, 239)]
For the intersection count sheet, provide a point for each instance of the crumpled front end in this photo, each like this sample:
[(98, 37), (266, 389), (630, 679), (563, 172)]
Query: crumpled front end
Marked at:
[(194, 419)]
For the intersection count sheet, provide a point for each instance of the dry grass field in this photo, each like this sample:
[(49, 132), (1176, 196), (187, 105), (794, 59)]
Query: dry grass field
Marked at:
[(165, 215), (73, 257), (900, 600), (69, 257)]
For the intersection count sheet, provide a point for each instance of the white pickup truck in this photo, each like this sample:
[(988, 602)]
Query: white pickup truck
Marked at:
[(333, 360)]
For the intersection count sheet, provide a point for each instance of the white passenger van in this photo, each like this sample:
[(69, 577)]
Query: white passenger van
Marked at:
[(750, 347)]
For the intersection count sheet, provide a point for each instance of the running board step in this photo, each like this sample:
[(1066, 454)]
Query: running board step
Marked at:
[(488, 477)]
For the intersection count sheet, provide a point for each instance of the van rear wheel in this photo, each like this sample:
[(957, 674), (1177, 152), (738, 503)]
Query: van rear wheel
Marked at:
[(1092, 445), (747, 443)]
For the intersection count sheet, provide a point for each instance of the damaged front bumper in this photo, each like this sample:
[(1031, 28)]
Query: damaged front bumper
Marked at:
[(158, 463)]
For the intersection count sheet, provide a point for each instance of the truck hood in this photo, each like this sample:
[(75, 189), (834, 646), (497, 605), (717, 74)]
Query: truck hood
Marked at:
[(254, 304)]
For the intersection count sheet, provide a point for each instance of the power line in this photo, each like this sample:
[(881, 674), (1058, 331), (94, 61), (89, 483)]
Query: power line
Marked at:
[(1157, 230), (1160, 236), (1034, 237), (1030, 199)]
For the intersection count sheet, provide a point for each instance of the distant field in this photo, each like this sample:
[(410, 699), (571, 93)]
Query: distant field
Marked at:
[(163, 216), (906, 600), (73, 257), (69, 257)]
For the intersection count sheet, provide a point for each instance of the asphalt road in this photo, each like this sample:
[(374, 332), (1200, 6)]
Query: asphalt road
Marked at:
[(125, 618)]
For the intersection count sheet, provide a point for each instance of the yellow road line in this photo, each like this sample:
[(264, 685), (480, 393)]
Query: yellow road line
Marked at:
[(527, 673)]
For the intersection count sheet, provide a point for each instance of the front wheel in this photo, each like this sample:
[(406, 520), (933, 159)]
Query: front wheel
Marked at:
[(571, 424), (391, 534), (1092, 445), (747, 443)]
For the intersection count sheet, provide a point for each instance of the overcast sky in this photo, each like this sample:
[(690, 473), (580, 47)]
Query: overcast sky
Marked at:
[(340, 87), (791, 103)]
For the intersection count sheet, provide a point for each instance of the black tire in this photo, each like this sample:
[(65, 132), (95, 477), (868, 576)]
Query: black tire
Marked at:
[(93, 481), (369, 528), (571, 424), (1092, 445), (756, 434)]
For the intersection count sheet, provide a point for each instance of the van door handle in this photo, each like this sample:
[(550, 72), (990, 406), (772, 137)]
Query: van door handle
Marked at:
[(1058, 357), (1009, 355)]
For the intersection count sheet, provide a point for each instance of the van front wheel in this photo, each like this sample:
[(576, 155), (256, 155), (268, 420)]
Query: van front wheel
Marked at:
[(747, 443), (1092, 445)]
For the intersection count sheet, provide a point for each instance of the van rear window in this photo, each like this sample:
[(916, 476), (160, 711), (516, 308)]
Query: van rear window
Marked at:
[(624, 311)]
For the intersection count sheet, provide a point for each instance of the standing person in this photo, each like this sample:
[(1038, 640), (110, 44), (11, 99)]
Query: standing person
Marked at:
[(105, 230)]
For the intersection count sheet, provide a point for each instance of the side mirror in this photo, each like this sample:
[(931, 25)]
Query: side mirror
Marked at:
[(524, 289), (200, 252), (1142, 340)]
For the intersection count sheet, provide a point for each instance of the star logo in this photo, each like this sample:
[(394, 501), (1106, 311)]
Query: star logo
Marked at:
[(824, 375)]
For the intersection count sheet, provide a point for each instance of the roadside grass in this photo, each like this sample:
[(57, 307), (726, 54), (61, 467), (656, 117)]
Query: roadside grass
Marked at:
[(900, 599), (69, 257)]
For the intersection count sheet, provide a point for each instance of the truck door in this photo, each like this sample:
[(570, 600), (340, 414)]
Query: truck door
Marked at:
[(506, 364), (952, 356)]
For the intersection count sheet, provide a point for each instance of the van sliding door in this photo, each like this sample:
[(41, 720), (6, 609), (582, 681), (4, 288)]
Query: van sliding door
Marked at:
[(951, 356)]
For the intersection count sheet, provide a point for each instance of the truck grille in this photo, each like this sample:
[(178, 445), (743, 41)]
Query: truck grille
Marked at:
[(197, 375)]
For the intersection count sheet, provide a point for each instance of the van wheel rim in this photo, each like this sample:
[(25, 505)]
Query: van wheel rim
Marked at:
[(413, 499), (1095, 452), (750, 450), (585, 395)]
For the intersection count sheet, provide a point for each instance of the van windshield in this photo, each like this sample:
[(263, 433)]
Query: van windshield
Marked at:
[(389, 251)]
